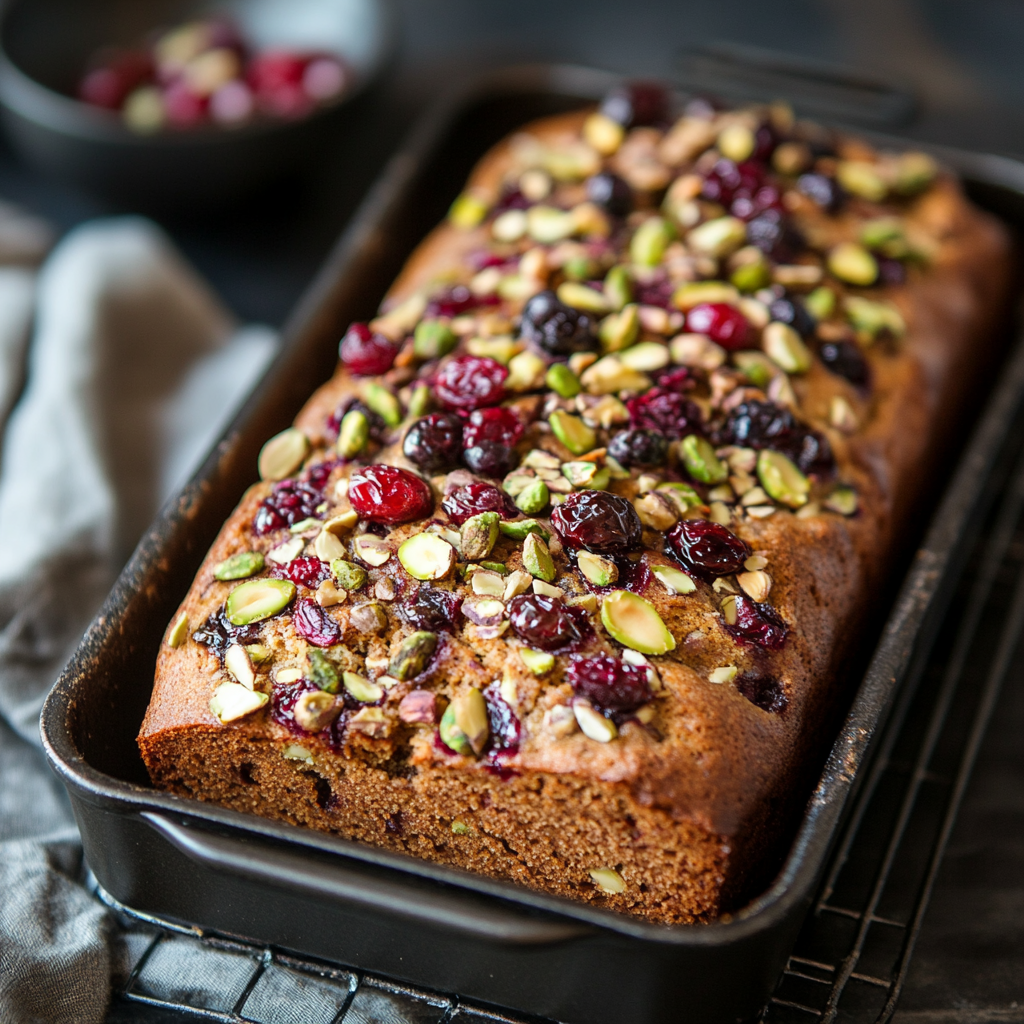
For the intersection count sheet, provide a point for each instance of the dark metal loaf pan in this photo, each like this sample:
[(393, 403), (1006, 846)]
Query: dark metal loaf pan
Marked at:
[(191, 862)]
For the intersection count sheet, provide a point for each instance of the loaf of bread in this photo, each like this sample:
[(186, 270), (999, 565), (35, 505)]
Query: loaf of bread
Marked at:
[(557, 578)]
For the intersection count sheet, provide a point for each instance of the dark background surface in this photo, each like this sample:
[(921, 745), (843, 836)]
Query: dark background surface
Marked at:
[(963, 61)]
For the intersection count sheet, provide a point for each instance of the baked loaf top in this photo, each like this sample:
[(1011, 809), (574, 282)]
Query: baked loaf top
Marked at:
[(606, 488)]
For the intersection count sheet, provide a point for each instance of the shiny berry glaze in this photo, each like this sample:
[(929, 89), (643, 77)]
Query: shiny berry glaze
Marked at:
[(366, 353), (554, 327), (598, 521), (767, 692), (432, 609), (488, 438), (314, 624), (611, 193), (612, 685), (665, 412), (758, 624), (744, 188), (766, 425), (506, 729), (707, 549), (458, 300), (288, 503), (306, 572), (846, 360), (387, 494), (472, 499), (434, 443), (638, 447), (546, 622), (470, 382), (723, 324), (636, 103), (218, 634), (794, 313)]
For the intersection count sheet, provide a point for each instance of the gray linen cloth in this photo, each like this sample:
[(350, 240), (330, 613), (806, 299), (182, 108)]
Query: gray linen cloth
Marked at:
[(124, 368)]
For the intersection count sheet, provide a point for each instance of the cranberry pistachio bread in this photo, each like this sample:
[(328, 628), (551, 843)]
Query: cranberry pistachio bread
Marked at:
[(555, 579)]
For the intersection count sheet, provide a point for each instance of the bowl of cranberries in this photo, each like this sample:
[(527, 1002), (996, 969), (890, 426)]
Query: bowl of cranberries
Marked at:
[(182, 103)]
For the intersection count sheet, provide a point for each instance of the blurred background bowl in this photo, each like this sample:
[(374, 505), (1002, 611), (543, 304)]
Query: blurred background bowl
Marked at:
[(45, 46)]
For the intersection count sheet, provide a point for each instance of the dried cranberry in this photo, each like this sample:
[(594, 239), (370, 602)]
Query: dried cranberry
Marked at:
[(218, 634), (598, 521), (109, 85), (890, 271), (554, 327), (489, 438), (506, 729), (366, 353), (666, 412), (465, 502), (765, 141), (845, 359), (636, 103), (723, 324), (707, 549), (545, 622), (821, 189), (774, 236), (794, 313), (766, 425), (458, 300), (511, 199), (431, 609), (612, 685), (676, 379), (655, 293), (767, 692), (639, 448), (313, 623), (434, 443), (306, 572), (611, 193), (470, 382), (288, 503), (743, 188), (758, 624), (283, 699), (388, 494)]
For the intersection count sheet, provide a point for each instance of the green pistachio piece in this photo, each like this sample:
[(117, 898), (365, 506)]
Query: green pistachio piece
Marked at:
[(701, 461), (620, 330), (736, 142), (914, 173), (520, 529), (315, 710), (533, 498), (756, 367), (495, 567), (635, 623), (538, 662), (618, 287), (426, 556), (460, 828), (451, 735), (348, 575), (383, 403), (572, 432), (610, 375), (419, 401), (579, 296), (258, 653), (870, 318), (751, 277), (579, 474), (537, 558), (471, 719), (525, 372), (886, 235), (501, 350), (592, 723), (515, 483), (563, 381), (353, 434), (683, 496), (781, 479), (413, 656), (675, 581), (478, 536), (646, 357), (853, 264), (785, 348), (178, 633), (433, 339), (650, 241), (718, 238), (231, 701), (693, 293), (468, 211), (283, 454), (602, 572), (842, 500), (821, 303), (580, 268), (548, 225), (240, 566), (258, 600), (322, 674), (362, 688), (863, 179), (601, 479)]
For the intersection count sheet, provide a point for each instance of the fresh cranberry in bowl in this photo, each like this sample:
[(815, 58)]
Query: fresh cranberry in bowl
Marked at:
[(466, 383), (545, 622), (707, 549), (725, 325), (612, 685), (470, 500), (366, 353), (387, 494), (597, 521), (757, 624), (434, 442)]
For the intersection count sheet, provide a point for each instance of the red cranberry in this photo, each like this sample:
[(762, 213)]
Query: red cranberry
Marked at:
[(307, 572), (472, 499), (108, 86), (636, 103), (283, 699), (432, 609), (666, 412), (845, 359), (489, 438), (554, 327), (218, 634), (434, 443), (273, 68), (611, 193), (183, 107), (612, 685), (638, 448), (511, 199), (366, 353), (707, 549), (766, 425), (723, 324), (774, 236), (794, 313), (598, 521), (544, 622), (288, 503), (387, 494), (890, 271), (506, 729), (766, 692), (313, 623), (822, 189), (470, 382), (458, 300), (765, 141), (758, 624), (728, 181), (655, 293)]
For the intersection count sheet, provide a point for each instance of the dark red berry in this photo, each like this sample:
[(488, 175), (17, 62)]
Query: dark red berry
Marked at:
[(766, 425), (544, 622), (555, 328), (723, 324), (387, 494), (470, 382), (728, 182), (636, 103), (366, 353), (792, 312), (283, 699), (288, 503), (314, 624), (612, 685), (611, 193), (772, 233), (767, 692), (218, 634), (511, 199), (638, 448), (458, 300), (432, 609), (434, 443), (822, 190), (765, 141), (109, 85), (465, 502), (707, 549), (306, 572), (489, 438), (891, 271), (597, 521), (758, 624), (666, 412), (846, 360), (657, 292), (183, 107), (506, 729)]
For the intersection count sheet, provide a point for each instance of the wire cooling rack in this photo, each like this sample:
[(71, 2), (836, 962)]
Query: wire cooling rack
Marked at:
[(852, 956)]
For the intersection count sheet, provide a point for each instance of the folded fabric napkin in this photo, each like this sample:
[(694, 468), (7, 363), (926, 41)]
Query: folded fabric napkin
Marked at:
[(124, 368)]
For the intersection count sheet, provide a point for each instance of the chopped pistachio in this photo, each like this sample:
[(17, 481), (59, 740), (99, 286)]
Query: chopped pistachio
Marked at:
[(755, 496), (419, 401), (302, 526), (620, 330), (701, 461), (297, 752), (381, 401), (451, 735), (563, 381), (853, 264), (646, 357), (547, 224), (257, 600), (426, 556), (460, 828), (517, 583), (478, 536), (328, 546), (683, 496), (471, 718), (258, 653), (283, 454), (239, 566), (717, 238), (579, 296), (361, 688), (655, 511), (239, 664), (413, 655), (519, 529), (821, 303), (572, 432), (501, 350), (399, 321), (870, 318), (693, 293), (286, 676), (533, 498), (315, 710), (517, 482), (675, 581), (353, 434), (798, 276), (580, 268), (488, 584), (756, 367), (608, 879), (602, 572), (618, 287), (231, 701), (635, 623), (537, 558), (371, 549), (841, 415), (786, 348), (538, 662), (547, 589), (781, 478), (468, 211), (369, 618), (580, 474), (914, 173), (749, 277), (178, 633), (842, 500), (418, 707), (609, 375), (604, 134), (736, 142), (650, 240), (526, 372), (433, 339), (369, 721), (509, 226), (723, 674), (348, 575), (863, 179), (719, 512), (592, 723)]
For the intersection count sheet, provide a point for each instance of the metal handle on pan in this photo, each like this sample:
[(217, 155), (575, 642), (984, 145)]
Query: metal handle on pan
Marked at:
[(281, 868)]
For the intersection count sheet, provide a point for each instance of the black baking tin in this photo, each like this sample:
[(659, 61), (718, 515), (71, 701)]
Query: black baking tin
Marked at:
[(186, 861)]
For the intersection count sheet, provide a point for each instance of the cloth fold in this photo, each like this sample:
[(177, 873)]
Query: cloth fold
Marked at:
[(133, 370)]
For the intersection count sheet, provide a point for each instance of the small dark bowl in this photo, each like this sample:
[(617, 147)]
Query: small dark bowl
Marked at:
[(44, 47)]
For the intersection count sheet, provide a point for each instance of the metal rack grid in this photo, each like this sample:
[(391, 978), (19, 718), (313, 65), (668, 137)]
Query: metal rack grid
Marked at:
[(852, 956)]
